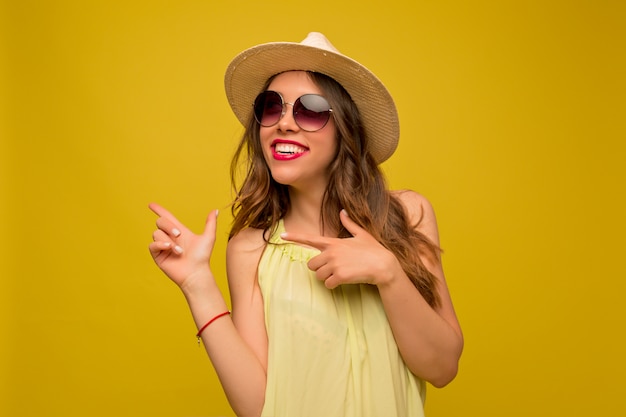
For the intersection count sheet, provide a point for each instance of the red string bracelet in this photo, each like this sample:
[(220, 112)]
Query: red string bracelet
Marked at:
[(208, 323)]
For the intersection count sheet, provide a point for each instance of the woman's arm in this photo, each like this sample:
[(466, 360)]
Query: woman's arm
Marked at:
[(242, 259), (430, 340), (238, 353)]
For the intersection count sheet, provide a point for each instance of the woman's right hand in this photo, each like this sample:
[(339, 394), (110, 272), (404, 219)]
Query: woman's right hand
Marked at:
[(183, 255)]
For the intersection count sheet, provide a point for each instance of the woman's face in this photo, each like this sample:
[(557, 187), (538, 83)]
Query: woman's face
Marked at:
[(296, 157)]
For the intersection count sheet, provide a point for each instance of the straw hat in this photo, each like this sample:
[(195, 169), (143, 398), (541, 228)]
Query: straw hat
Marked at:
[(248, 72)]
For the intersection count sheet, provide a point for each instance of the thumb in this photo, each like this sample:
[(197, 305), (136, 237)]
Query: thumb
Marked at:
[(210, 228), (349, 224)]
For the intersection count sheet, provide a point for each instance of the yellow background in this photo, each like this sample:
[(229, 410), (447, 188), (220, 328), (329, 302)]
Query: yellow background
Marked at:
[(513, 124)]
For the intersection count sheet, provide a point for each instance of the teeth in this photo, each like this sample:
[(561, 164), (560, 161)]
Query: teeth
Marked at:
[(288, 148)]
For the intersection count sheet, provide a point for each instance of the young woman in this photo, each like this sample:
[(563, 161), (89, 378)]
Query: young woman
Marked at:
[(339, 302)]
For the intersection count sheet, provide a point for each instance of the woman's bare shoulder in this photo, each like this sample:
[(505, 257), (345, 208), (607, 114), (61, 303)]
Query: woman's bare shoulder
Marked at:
[(416, 205), (420, 212), (247, 240), (243, 253)]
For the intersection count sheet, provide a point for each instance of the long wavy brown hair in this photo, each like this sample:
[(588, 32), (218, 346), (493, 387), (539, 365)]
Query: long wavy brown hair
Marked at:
[(356, 184)]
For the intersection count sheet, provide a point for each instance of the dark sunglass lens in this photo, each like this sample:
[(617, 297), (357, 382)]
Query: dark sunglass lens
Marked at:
[(268, 108), (311, 112)]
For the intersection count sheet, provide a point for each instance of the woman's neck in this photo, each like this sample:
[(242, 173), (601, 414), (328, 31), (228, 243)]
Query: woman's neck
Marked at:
[(304, 215)]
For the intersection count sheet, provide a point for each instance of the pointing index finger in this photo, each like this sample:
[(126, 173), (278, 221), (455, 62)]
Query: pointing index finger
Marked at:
[(162, 212), (157, 209), (317, 242)]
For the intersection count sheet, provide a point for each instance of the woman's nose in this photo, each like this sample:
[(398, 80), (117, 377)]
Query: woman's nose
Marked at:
[(288, 121)]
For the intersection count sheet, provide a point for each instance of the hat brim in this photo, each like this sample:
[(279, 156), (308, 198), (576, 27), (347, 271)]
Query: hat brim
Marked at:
[(248, 72)]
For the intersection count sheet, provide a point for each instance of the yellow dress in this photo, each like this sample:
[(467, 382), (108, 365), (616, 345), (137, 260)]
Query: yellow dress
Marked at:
[(331, 352)]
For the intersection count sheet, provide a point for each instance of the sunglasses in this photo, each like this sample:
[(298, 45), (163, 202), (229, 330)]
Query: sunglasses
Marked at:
[(310, 111)]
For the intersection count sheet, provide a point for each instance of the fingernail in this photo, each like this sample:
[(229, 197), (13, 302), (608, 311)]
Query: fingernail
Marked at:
[(283, 235), (178, 249), (176, 232), (217, 213)]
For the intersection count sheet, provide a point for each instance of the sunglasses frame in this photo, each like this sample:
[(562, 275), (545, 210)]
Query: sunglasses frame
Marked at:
[(293, 109)]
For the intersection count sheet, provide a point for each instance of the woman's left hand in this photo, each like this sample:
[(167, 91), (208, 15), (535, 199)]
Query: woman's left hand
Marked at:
[(359, 259)]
